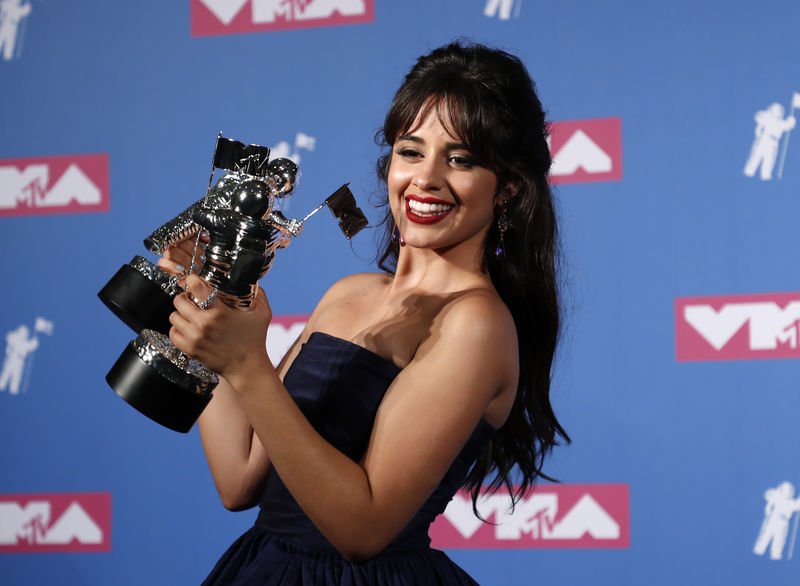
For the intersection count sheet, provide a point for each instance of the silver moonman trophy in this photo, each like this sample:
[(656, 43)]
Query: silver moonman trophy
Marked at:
[(244, 232)]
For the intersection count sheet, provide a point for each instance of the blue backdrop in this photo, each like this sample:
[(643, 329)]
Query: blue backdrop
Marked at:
[(704, 445)]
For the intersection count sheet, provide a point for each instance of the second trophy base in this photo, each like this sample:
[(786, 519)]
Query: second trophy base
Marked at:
[(151, 394), (137, 301)]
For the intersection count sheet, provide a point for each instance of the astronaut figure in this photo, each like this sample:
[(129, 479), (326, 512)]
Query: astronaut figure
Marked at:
[(19, 343), (777, 513), (11, 12), (770, 126), (499, 8)]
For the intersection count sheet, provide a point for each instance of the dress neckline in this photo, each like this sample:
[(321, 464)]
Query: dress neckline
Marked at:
[(354, 346), (366, 351)]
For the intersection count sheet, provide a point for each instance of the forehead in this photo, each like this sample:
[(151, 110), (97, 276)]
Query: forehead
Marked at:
[(435, 117)]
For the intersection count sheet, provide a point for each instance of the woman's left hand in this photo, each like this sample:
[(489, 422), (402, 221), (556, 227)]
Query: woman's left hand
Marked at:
[(228, 341)]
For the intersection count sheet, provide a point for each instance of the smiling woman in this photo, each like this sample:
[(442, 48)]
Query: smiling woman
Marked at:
[(434, 179), (405, 385)]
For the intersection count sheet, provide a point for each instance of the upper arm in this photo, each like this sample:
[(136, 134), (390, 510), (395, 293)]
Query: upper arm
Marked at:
[(469, 363)]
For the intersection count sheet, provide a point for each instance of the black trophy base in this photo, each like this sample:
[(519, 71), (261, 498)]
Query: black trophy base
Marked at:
[(137, 301), (151, 394)]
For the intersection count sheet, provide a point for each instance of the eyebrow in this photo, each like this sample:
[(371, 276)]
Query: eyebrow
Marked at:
[(418, 140)]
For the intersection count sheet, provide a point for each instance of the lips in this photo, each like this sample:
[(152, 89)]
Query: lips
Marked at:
[(426, 210)]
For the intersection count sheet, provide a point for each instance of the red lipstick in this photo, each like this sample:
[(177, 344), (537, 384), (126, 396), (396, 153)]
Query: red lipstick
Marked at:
[(426, 210)]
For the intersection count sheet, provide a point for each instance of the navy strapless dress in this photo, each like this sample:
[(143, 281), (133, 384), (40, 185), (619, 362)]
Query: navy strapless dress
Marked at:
[(339, 385)]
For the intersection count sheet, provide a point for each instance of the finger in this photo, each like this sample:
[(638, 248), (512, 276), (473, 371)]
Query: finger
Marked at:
[(186, 306), (188, 246), (171, 267), (184, 333), (178, 320), (180, 340), (199, 292), (198, 287), (179, 256)]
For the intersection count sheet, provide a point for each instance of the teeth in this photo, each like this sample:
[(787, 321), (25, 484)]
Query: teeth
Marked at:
[(430, 209)]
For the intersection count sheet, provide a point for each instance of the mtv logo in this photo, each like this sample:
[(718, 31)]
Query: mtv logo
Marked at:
[(47, 523), (585, 151), (282, 333), (562, 516), (737, 327), (64, 184), (222, 17)]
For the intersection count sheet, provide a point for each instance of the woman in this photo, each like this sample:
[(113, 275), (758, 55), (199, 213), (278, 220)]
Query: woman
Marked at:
[(407, 385)]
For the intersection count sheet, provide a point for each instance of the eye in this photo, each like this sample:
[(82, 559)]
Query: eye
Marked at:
[(408, 153), (463, 161)]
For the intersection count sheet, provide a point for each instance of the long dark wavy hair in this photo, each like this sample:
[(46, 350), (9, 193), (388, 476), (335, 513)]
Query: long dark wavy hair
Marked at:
[(486, 98)]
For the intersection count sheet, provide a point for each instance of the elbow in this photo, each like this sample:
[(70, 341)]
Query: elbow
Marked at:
[(235, 506), (239, 494), (237, 500)]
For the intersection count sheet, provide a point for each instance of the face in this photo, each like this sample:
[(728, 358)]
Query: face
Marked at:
[(440, 197)]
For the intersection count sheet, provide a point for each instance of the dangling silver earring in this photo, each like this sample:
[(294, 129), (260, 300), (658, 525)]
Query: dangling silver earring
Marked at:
[(503, 222)]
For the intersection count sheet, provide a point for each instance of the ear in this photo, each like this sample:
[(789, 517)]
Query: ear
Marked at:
[(508, 191)]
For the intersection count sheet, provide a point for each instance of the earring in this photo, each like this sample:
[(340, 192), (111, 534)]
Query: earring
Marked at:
[(503, 222)]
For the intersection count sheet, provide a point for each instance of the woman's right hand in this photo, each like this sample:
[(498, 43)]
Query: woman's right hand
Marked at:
[(177, 259)]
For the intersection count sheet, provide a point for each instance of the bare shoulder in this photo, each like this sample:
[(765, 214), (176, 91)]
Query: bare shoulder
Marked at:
[(355, 284), (352, 286), (479, 317), (470, 357), (476, 331), (348, 290)]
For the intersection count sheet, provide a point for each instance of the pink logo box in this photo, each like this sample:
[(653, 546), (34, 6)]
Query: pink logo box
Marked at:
[(737, 327), (63, 184), (585, 151), (576, 516), (225, 17), (282, 333), (48, 523)]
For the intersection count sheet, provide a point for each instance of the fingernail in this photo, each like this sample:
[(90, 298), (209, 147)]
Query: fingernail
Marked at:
[(180, 268), (204, 234), (195, 267), (202, 258)]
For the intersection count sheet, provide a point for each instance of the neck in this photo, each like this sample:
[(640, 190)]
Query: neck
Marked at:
[(440, 270)]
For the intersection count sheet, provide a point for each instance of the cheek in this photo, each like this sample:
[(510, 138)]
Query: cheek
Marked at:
[(397, 174)]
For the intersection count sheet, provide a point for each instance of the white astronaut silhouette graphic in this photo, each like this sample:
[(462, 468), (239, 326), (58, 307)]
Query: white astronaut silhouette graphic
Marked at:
[(11, 13), (301, 141), (770, 127), (780, 508), (20, 343), (501, 8)]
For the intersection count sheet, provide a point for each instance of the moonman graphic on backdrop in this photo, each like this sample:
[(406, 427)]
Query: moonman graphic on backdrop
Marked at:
[(19, 343), (301, 141), (770, 126), (777, 514), (11, 12), (503, 7)]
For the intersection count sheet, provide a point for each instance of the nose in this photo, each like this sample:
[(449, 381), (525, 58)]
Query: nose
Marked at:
[(429, 175)]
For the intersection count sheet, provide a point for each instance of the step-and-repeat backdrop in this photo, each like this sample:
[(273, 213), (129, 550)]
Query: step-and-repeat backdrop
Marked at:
[(677, 170)]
